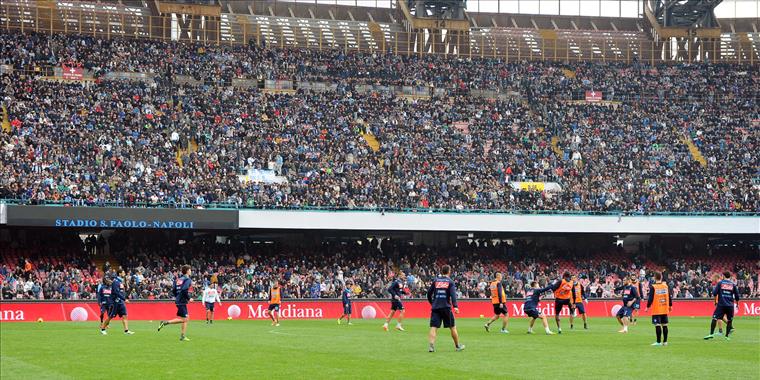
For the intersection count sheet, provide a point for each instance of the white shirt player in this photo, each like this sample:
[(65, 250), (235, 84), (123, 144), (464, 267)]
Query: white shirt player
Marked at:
[(211, 295)]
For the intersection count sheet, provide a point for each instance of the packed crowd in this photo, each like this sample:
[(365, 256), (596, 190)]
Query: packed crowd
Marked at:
[(65, 270), (161, 142)]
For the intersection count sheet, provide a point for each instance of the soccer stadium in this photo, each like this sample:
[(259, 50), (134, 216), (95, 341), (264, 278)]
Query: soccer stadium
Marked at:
[(380, 189)]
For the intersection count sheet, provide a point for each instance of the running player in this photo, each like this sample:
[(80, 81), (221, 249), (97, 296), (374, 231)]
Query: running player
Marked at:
[(275, 300), (396, 288), (181, 292), (210, 297), (118, 304), (530, 307), (346, 298), (726, 294), (499, 301), (105, 301), (661, 302), (636, 305), (630, 295), (564, 293), (442, 295), (578, 299)]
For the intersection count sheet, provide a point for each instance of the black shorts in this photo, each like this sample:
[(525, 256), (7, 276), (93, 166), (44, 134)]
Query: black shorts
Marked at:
[(580, 307), (347, 308), (209, 306), (624, 311), (660, 319), (498, 310), (558, 304), (533, 313), (396, 305), (727, 311), (117, 309), (275, 307), (182, 311), (445, 316), (104, 309)]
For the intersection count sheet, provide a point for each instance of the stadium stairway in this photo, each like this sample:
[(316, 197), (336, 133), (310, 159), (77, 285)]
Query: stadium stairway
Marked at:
[(100, 260), (555, 147), (371, 141), (6, 125), (695, 153), (568, 73), (192, 147)]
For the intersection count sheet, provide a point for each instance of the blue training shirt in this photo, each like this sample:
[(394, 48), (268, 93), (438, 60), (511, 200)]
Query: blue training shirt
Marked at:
[(182, 290), (118, 292), (532, 296), (726, 293), (442, 293), (346, 296)]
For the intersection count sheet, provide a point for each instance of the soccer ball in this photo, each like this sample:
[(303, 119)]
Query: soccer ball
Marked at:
[(482, 316), (39, 320), (229, 318)]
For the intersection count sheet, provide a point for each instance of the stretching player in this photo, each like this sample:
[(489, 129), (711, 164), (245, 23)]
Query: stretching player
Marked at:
[(530, 307), (181, 292), (578, 299), (498, 299), (442, 295), (118, 306), (275, 300), (726, 295), (564, 293), (346, 298), (397, 286), (660, 301), (630, 295), (210, 297)]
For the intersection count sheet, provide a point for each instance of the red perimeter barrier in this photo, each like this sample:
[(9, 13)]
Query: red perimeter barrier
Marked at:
[(11, 311)]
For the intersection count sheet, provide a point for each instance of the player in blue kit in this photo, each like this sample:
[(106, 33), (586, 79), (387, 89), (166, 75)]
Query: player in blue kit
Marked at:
[(726, 294), (346, 298), (396, 289), (118, 304), (630, 296), (530, 307), (104, 301), (181, 292), (442, 295), (104, 298)]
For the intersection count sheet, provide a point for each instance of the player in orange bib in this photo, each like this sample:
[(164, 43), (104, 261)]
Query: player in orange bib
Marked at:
[(499, 301), (578, 301), (661, 303), (275, 299), (564, 293)]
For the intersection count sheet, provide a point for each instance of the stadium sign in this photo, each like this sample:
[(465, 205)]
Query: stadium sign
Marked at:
[(593, 96), (20, 311), (120, 218)]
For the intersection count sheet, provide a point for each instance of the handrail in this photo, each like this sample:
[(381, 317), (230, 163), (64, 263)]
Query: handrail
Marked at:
[(240, 206)]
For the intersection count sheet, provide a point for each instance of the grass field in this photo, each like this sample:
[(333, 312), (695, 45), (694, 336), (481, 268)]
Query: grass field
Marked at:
[(322, 350)]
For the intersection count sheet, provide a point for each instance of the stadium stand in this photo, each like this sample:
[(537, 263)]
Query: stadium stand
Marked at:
[(672, 137), (65, 268)]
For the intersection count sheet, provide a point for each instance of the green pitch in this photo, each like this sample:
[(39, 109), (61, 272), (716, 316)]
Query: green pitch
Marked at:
[(324, 350)]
